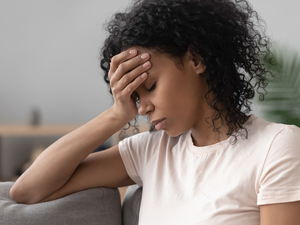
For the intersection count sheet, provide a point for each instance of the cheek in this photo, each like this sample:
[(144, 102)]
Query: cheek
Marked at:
[(174, 104), (161, 99)]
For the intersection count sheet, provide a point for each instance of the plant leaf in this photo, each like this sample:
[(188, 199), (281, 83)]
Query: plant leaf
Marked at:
[(282, 102)]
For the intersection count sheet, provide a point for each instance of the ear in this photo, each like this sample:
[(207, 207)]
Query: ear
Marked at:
[(196, 60), (199, 66)]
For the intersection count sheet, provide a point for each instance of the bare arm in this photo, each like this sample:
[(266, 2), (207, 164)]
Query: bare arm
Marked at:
[(105, 169), (280, 214), (65, 166), (54, 167)]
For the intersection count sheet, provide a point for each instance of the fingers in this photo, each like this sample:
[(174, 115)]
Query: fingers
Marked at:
[(118, 59), (130, 88), (130, 71), (128, 84), (130, 77), (126, 93), (125, 62)]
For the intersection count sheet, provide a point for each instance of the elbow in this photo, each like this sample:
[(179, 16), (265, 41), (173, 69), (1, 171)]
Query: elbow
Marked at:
[(22, 197), (15, 195)]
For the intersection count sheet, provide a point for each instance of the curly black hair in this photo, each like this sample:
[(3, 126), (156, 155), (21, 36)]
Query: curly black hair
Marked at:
[(227, 34)]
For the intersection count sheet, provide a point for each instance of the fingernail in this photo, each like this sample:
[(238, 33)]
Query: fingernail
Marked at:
[(146, 64), (144, 75), (132, 52), (145, 56)]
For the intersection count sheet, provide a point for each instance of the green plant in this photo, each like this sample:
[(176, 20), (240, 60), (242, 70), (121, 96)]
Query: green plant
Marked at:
[(282, 102)]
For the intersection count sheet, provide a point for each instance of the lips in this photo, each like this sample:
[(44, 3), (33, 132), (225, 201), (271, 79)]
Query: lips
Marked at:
[(158, 123)]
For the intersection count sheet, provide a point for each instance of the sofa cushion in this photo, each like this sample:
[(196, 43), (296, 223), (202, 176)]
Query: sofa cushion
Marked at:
[(131, 205), (99, 206)]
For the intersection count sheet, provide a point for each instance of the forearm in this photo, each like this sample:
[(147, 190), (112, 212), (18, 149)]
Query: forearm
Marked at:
[(54, 167)]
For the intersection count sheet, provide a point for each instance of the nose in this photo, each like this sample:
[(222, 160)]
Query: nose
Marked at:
[(145, 106)]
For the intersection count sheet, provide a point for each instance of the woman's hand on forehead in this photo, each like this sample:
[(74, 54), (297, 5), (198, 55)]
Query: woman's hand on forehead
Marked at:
[(127, 59), (128, 70), (119, 58)]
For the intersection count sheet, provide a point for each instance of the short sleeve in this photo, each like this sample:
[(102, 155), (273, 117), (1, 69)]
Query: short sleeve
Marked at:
[(280, 179), (136, 151)]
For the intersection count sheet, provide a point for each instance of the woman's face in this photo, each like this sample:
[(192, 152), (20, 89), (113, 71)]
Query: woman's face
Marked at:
[(173, 96)]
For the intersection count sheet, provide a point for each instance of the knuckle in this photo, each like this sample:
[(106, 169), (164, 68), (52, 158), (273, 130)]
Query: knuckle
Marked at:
[(113, 89), (118, 96), (113, 59), (112, 82), (110, 75), (126, 79), (121, 67), (137, 59)]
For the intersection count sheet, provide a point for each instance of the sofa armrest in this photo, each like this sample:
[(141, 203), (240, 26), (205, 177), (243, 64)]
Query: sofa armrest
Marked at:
[(131, 205), (99, 206)]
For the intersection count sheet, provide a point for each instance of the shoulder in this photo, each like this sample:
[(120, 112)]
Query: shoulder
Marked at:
[(276, 138), (287, 141), (278, 180), (279, 134), (259, 129), (271, 140), (289, 132)]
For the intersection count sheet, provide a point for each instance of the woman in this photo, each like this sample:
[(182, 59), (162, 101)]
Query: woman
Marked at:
[(191, 67)]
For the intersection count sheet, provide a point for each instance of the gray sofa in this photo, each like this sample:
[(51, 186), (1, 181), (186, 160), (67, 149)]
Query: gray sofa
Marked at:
[(101, 206)]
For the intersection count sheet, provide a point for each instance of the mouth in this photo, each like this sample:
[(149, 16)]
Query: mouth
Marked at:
[(158, 123)]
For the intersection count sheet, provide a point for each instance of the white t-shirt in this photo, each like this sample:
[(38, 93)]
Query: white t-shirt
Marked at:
[(220, 184)]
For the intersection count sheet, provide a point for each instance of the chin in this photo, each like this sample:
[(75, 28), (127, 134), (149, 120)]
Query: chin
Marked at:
[(173, 133)]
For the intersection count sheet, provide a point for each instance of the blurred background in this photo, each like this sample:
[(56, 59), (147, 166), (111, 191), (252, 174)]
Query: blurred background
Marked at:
[(50, 74), (49, 58)]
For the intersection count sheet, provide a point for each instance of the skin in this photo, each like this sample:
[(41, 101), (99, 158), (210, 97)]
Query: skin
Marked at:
[(178, 97), (280, 214)]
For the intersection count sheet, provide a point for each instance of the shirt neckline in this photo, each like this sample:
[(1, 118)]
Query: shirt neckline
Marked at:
[(214, 147)]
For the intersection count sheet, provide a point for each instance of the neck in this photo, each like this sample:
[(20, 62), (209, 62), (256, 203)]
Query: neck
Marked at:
[(204, 134)]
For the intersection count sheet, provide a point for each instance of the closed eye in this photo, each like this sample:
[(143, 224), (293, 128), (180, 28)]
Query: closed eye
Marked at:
[(152, 88)]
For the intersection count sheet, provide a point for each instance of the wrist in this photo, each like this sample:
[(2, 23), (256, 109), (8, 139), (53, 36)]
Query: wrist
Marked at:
[(114, 119), (119, 117)]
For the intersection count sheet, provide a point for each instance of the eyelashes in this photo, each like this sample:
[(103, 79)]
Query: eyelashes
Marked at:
[(135, 96), (152, 88)]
